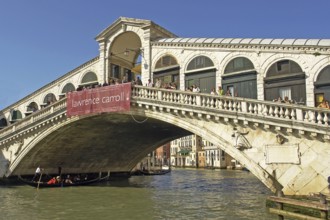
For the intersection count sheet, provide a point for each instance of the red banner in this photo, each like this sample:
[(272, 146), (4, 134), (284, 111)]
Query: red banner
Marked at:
[(114, 98)]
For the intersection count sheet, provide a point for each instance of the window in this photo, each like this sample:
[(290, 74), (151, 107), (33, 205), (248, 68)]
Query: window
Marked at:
[(324, 74), (284, 67), (16, 115), (49, 98), (239, 64), (285, 91), (115, 71), (89, 77), (200, 62), (68, 88), (3, 122), (166, 61), (32, 107)]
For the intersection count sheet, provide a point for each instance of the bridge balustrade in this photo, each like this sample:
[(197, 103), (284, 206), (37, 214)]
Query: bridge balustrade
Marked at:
[(34, 118), (315, 117), (264, 109)]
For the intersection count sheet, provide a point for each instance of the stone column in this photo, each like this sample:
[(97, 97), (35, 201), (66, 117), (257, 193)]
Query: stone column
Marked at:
[(103, 62)]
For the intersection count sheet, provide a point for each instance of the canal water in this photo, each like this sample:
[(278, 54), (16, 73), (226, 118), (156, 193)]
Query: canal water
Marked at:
[(181, 194)]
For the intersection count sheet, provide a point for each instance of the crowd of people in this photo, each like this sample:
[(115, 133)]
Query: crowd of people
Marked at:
[(285, 100), (159, 84)]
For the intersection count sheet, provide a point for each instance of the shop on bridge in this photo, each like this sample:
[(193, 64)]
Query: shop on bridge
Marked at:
[(285, 78), (88, 81), (32, 107), (16, 115), (3, 123), (240, 78), (322, 86), (201, 72), (167, 70), (69, 87)]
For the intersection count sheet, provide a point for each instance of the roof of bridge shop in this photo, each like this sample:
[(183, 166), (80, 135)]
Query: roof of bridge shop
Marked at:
[(254, 41)]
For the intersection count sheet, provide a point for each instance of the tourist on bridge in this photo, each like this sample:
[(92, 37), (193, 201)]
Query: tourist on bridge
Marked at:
[(138, 81), (213, 91), (324, 104), (228, 93), (196, 88), (158, 83), (221, 91), (150, 84)]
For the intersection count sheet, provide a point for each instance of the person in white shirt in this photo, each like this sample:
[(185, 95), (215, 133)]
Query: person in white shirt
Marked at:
[(150, 84), (196, 88), (37, 174), (158, 83)]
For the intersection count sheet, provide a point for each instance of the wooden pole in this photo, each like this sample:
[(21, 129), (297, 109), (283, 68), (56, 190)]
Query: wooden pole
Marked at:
[(39, 180), (323, 200), (279, 205)]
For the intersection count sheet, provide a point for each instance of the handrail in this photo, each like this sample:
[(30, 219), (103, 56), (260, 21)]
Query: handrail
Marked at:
[(294, 113)]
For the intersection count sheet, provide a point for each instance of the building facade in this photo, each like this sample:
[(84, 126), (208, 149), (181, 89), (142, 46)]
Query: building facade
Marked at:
[(193, 151)]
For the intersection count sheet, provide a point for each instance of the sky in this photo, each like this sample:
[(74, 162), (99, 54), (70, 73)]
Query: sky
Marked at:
[(41, 40)]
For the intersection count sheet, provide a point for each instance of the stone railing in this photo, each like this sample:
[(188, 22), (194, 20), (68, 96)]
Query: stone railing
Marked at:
[(248, 110), (38, 116), (252, 110)]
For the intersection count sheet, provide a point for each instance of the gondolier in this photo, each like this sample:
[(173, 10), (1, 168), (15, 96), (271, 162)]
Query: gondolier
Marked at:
[(37, 174)]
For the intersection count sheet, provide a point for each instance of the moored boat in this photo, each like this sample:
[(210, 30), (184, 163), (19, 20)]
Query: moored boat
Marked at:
[(151, 172)]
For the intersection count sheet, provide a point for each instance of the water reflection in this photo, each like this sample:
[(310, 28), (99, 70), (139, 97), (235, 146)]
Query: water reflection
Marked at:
[(182, 194)]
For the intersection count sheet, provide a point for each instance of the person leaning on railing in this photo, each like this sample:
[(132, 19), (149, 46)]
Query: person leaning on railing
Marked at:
[(324, 104)]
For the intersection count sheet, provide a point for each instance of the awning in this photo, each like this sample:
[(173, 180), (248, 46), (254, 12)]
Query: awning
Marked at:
[(136, 69), (184, 151)]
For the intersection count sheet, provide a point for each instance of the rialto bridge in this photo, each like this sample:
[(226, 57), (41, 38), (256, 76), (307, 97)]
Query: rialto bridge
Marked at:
[(286, 146)]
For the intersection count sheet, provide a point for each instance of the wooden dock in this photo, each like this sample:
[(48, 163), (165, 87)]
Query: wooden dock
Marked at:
[(294, 208)]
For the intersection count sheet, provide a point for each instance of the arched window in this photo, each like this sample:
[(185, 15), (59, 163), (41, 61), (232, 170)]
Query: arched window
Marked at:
[(3, 123), (284, 67), (239, 64), (15, 116), (199, 63), (166, 61), (166, 72), (69, 87), (322, 86), (49, 98), (285, 78), (240, 78), (201, 73), (324, 75), (89, 78), (32, 107)]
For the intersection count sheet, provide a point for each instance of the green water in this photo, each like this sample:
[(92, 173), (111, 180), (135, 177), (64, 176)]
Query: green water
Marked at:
[(182, 194)]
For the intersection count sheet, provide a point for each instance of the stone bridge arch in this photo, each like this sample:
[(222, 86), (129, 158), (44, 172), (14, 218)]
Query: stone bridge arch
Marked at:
[(102, 142), (50, 148), (220, 133)]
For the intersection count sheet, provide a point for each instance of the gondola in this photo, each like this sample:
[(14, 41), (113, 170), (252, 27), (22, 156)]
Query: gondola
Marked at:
[(151, 173), (42, 184)]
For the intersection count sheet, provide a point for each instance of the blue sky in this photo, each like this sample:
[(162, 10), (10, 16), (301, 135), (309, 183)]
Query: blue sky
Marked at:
[(41, 40)]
